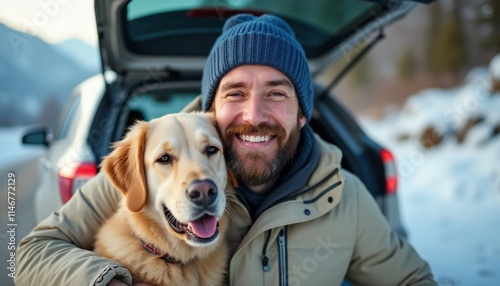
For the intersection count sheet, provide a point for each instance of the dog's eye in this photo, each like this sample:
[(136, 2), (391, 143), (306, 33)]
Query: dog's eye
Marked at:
[(212, 150), (164, 159)]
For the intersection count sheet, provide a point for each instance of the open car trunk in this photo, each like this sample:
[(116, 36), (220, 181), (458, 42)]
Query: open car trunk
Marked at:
[(144, 39)]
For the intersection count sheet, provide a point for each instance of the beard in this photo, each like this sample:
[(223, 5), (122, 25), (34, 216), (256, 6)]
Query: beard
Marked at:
[(256, 167)]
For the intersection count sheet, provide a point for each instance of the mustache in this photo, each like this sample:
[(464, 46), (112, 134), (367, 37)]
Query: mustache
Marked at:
[(263, 128)]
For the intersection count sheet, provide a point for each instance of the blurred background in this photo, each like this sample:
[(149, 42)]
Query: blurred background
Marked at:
[(428, 91), (50, 46)]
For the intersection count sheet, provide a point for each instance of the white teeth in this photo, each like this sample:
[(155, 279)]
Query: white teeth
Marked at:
[(255, 139)]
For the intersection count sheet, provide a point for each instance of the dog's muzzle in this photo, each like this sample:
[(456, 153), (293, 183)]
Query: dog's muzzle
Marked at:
[(203, 194)]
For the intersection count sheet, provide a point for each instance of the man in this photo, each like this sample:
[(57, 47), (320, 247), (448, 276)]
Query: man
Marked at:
[(301, 220)]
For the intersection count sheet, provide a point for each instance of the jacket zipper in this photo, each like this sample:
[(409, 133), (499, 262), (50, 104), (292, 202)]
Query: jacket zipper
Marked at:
[(283, 256), (265, 259)]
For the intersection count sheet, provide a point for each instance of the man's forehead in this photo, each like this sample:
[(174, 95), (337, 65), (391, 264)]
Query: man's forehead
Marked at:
[(244, 75)]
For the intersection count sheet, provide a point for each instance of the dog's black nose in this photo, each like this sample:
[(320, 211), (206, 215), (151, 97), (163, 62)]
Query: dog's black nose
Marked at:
[(202, 193)]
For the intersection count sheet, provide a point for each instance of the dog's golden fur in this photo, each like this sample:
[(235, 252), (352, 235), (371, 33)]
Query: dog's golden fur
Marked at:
[(153, 166)]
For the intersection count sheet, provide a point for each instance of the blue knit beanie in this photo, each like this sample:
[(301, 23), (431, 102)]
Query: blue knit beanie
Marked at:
[(265, 40)]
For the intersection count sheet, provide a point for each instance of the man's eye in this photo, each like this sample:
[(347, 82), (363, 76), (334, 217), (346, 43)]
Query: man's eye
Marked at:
[(164, 159), (278, 94), (211, 150), (234, 94)]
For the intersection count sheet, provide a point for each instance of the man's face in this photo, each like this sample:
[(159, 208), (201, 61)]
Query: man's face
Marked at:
[(257, 112)]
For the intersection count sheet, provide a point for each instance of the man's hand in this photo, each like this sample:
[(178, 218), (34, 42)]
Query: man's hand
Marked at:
[(116, 282)]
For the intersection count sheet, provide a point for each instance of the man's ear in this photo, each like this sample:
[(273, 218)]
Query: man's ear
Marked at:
[(125, 166), (302, 121)]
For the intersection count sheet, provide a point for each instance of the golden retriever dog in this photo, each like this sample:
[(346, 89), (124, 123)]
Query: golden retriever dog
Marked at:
[(169, 228)]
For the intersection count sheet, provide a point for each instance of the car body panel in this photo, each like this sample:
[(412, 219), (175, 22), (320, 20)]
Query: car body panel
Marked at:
[(68, 146)]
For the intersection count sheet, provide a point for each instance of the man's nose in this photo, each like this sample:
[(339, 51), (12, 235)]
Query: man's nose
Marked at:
[(255, 110)]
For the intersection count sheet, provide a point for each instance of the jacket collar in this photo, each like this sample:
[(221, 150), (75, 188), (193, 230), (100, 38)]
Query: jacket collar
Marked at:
[(297, 177), (322, 193)]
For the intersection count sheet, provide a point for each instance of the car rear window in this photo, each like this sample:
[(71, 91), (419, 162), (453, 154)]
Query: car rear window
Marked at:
[(156, 103), (193, 25)]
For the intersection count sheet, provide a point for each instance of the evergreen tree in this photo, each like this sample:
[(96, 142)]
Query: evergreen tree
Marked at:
[(450, 46), (434, 22), (489, 14), (406, 64), (446, 40)]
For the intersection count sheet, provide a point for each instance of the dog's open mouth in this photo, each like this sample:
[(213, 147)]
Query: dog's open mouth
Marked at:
[(202, 230)]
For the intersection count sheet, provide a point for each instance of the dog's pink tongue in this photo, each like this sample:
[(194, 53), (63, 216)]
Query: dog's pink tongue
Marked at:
[(204, 227)]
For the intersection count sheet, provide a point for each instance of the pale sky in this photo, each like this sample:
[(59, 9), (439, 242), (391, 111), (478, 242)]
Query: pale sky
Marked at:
[(52, 20)]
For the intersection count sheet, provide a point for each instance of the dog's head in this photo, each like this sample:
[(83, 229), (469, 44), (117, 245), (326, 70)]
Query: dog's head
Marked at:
[(171, 170)]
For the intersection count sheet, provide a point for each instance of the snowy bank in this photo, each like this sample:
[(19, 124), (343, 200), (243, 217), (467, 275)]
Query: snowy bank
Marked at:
[(449, 191)]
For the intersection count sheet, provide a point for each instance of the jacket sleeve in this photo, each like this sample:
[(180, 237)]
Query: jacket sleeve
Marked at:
[(58, 251), (381, 257)]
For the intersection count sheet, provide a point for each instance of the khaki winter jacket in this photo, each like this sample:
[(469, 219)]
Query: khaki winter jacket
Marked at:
[(332, 230)]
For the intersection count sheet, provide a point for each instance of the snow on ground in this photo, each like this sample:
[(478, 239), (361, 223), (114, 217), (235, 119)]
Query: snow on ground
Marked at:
[(450, 194)]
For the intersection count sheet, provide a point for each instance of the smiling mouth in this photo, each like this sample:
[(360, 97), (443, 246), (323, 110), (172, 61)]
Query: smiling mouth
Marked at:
[(255, 139), (204, 229)]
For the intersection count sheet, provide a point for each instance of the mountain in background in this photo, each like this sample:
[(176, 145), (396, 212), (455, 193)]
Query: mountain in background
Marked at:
[(36, 78), (83, 54)]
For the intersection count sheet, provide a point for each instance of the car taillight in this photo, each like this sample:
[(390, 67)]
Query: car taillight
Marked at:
[(391, 176), (74, 176)]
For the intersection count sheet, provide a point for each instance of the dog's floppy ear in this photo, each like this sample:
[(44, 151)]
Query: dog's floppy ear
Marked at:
[(125, 166)]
